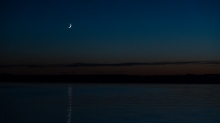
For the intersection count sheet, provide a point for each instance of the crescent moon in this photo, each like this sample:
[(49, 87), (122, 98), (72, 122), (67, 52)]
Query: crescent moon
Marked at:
[(70, 25)]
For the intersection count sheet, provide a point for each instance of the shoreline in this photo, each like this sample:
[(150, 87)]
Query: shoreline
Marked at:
[(115, 78)]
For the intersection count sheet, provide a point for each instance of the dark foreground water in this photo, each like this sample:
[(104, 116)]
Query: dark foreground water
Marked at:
[(109, 103)]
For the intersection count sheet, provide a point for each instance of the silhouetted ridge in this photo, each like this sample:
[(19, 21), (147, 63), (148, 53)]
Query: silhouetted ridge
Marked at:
[(110, 65)]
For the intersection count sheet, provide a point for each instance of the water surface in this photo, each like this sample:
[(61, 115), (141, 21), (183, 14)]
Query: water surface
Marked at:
[(109, 103)]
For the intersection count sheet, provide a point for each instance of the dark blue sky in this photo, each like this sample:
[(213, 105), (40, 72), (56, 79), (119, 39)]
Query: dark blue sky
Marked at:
[(109, 31)]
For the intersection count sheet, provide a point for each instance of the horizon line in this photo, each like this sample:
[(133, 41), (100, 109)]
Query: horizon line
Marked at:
[(214, 62)]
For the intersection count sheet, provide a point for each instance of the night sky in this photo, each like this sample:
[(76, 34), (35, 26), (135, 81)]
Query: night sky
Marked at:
[(105, 34)]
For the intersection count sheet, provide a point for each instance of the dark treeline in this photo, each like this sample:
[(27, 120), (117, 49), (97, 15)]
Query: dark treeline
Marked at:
[(188, 79)]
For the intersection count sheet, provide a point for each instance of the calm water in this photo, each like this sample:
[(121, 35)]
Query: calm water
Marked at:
[(109, 103)]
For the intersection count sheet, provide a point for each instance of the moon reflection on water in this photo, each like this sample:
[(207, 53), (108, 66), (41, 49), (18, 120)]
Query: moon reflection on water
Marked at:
[(70, 104)]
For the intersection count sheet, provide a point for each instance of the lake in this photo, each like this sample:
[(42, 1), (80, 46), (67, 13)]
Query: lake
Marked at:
[(109, 103)]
